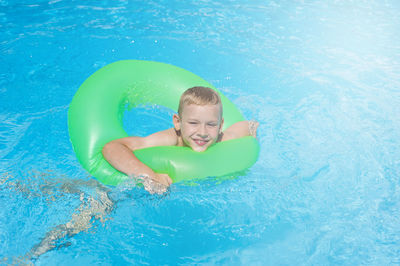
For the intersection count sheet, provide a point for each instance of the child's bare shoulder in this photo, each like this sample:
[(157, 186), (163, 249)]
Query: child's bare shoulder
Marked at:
[(166, 137), (241, 129)]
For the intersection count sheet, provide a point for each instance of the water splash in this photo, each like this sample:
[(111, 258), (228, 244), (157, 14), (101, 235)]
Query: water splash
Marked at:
[(148, 184)]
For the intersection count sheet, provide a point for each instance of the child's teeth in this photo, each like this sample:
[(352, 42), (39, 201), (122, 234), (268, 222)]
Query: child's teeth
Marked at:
[(200, 142)]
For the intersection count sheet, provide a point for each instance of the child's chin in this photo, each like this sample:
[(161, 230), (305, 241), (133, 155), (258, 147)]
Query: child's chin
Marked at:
[(199, 148)]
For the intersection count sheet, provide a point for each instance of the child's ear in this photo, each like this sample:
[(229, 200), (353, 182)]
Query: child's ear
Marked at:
[(222, 125), (177, 121)]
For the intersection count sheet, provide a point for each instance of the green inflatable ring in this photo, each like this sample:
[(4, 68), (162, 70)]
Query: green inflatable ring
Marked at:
[(95, 118)]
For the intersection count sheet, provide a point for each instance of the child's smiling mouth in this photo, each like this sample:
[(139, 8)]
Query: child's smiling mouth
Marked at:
[(200, 142)]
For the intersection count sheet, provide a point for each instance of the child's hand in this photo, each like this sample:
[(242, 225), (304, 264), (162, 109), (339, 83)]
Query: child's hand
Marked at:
[(154, 183), (163, 179), (158, 183)]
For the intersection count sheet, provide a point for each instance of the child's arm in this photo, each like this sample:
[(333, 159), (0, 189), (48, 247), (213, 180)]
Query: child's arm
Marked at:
[(241, 129), (119, 153)]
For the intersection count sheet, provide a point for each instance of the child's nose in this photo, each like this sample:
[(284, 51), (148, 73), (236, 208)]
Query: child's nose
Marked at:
[(202, 131)]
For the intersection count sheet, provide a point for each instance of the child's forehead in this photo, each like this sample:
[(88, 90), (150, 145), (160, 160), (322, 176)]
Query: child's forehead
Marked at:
[(200, 107), (210, 109)]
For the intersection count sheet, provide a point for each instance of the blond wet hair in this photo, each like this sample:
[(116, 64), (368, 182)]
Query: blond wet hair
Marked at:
[(200, 96)]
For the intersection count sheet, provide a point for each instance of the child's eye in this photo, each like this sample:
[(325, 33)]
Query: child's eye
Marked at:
[(193, 123), (212, 125)]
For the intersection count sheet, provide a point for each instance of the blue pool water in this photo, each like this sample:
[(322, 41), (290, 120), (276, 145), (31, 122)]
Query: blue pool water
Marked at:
[(323, 80)]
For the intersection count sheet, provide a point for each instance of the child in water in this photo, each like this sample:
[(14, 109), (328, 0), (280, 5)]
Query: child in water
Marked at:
[(197, 125)]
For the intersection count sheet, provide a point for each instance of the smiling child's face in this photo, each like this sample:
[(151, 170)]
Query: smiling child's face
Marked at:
[(199, 125)]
